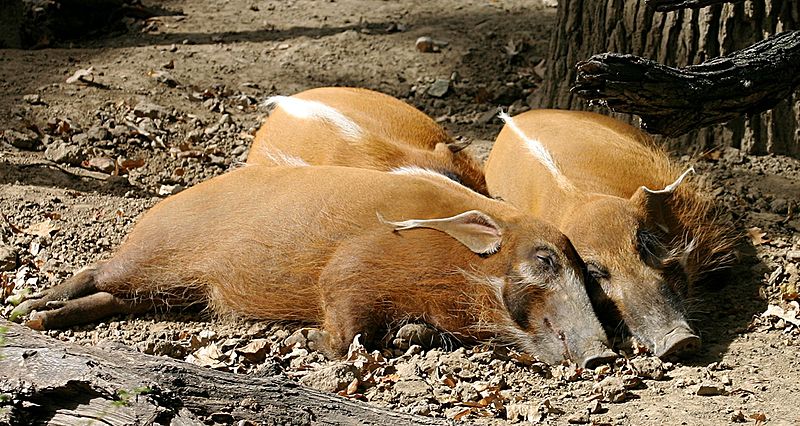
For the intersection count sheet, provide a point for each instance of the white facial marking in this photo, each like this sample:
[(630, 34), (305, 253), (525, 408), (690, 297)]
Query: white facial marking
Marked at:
[(313, 110), (539, 152)]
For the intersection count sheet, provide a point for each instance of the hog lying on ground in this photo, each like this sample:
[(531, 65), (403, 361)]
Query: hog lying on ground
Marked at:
[(352, 250), (341, 126), (645, 235)]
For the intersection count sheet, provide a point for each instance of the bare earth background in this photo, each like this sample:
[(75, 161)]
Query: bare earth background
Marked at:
[(175, 101)]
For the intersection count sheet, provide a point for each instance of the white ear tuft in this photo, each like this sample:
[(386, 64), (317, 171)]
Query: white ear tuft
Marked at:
[(475, 229), (669, 189)]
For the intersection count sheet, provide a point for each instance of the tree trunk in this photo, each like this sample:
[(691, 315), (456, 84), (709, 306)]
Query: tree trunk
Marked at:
[(677, 39), (46, 381)]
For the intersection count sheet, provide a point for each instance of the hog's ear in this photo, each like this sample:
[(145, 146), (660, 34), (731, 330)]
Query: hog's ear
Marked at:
[(475, 229), (654, 201), (459, 144)]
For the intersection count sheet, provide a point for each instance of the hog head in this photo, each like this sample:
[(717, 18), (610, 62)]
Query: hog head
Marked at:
[(536, 280), (625, 244)]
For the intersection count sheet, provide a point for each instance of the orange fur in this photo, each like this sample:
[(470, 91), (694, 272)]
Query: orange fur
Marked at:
[(395, 134), (306, 244), (607, 163)]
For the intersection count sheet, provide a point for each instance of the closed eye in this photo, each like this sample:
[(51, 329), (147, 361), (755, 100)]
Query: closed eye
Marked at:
[(597, 271), (651, 249), (547, 259)]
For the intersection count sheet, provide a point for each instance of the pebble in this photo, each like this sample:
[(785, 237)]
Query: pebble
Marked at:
[(164, 77), (63, 153), (424, 44), (104, 164), (439, 88), (33, 99), (21, 140), (411, 389), (150, 110), (97, 133), (308, 338), (710, 389), (80, 139), (465, 392), (486, 117), (611, 389), (522, 411), (648, 367), (165, 190), (579, 418), (595, 407), (779, 206)]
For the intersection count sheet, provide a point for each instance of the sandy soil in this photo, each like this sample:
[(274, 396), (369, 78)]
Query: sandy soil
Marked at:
[(175, 101)]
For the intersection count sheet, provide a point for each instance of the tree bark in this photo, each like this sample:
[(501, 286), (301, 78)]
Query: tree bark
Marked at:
[(676, 39), (46, 381), (673, 101), (670, 5)]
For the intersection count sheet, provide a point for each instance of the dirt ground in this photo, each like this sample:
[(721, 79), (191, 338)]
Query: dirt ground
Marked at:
[(175, 100)]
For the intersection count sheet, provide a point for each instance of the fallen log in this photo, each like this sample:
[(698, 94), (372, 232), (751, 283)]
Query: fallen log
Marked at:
[(670, 5), (673, 101), (46, 381)]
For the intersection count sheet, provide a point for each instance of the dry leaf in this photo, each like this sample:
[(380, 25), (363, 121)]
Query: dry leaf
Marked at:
[(14, 228), (524, 412), (104, 164), (390, 378), (352, 388), (547, 407), (712, 155), (81, 76), (462, 414), (43, 229), (164, 78), (789, 291), (131, 164), (778, 312), (255, 351), (757, 237), (759, 417), (209, 356)]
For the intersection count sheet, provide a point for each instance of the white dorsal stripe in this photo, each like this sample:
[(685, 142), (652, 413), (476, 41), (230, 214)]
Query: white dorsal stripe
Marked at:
[(539, 152), (282, 159), (418, 171), (301, 108), (673, 186)]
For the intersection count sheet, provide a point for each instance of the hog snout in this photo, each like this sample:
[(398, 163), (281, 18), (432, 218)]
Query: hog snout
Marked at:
[(681, 340), (582, 338)]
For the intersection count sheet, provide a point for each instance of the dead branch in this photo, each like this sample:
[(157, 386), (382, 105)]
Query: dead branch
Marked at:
[(673, 101), (46, 381)]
